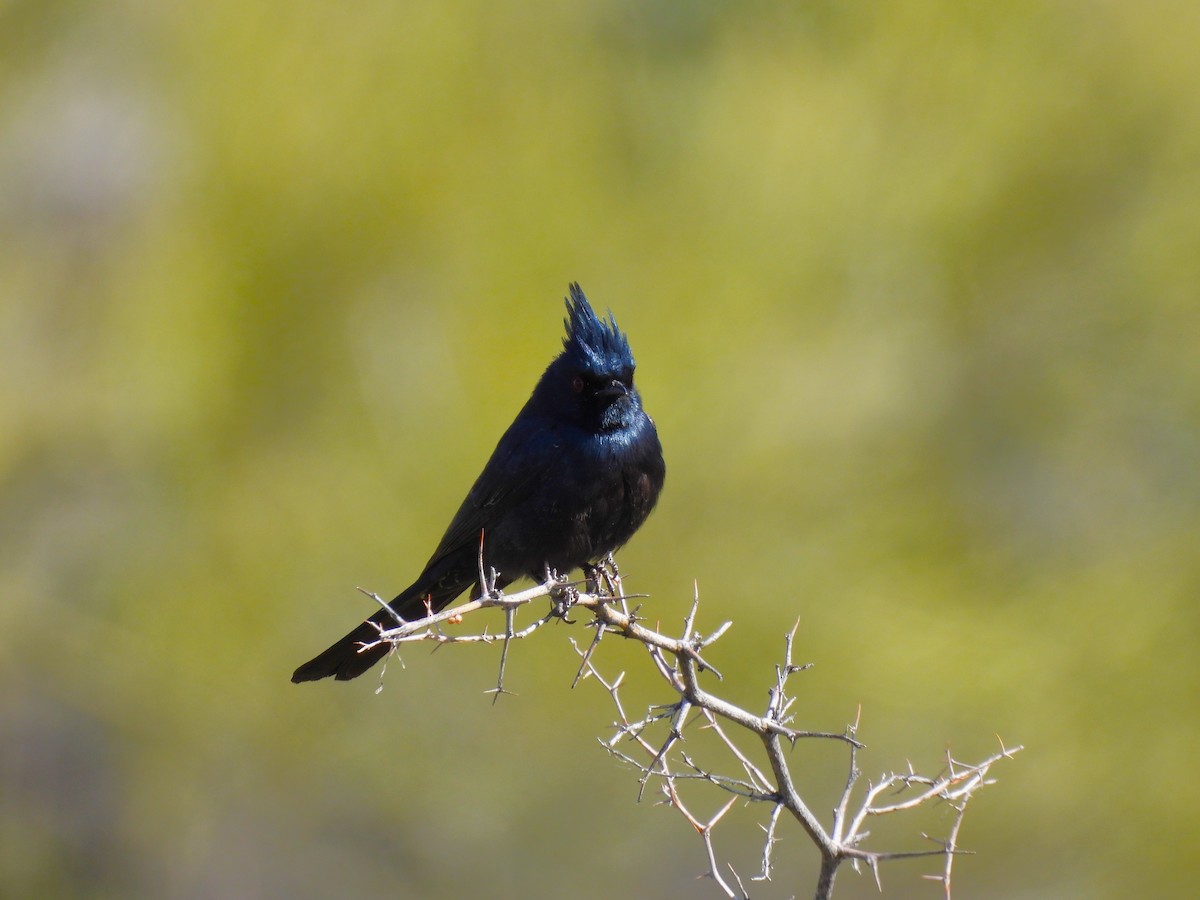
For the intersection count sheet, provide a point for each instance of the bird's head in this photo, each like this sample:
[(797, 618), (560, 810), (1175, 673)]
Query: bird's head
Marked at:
[(591, 381)]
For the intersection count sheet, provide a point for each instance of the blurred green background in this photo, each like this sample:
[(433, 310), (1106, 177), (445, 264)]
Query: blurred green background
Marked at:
[(914, 292)]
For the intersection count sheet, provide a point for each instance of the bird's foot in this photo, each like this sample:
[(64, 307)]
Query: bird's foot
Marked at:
[(563, 595), (603, 577)]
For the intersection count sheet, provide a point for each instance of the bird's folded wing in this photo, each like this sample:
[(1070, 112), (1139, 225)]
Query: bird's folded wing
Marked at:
[(526, 452)]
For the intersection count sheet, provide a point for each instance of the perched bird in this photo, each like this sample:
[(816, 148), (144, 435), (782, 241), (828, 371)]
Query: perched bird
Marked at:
[(573, 477)]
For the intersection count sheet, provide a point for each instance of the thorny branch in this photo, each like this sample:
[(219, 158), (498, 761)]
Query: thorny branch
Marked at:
[(680, 661)]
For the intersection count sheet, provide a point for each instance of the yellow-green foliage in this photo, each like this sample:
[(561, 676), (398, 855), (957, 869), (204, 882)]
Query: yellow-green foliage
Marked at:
[(914, 292)]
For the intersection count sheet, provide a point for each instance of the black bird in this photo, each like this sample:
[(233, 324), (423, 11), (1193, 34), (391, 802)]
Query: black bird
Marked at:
[(573, 477)]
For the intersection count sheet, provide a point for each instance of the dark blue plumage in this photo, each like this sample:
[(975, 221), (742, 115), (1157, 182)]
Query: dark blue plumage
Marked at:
[(570, 481)]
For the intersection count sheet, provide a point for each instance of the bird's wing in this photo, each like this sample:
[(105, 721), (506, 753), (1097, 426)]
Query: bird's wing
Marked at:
[(519, 463)]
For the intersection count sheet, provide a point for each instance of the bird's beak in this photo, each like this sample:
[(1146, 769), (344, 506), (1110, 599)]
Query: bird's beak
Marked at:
[(613, 390)]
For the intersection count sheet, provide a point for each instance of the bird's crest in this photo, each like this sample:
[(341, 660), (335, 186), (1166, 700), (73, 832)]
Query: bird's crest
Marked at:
[(596, 344)]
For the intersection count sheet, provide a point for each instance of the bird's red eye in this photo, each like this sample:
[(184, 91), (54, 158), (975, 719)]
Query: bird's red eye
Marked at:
[(577, 384)]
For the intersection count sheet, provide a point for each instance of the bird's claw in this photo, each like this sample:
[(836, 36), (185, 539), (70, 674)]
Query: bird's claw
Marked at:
[(563, 596)]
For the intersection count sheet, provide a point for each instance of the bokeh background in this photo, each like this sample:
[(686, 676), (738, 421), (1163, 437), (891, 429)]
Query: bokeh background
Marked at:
[(914, 292)]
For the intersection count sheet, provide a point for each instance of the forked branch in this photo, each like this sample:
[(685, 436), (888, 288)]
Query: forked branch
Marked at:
[(653, 744)]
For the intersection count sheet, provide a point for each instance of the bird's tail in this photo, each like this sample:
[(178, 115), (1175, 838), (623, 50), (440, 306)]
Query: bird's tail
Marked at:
[(349, 657)]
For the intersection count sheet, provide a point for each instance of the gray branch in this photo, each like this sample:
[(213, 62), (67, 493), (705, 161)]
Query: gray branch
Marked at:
[(681, 662)]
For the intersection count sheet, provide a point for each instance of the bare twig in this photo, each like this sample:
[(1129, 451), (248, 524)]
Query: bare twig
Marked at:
[(658, 755)]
